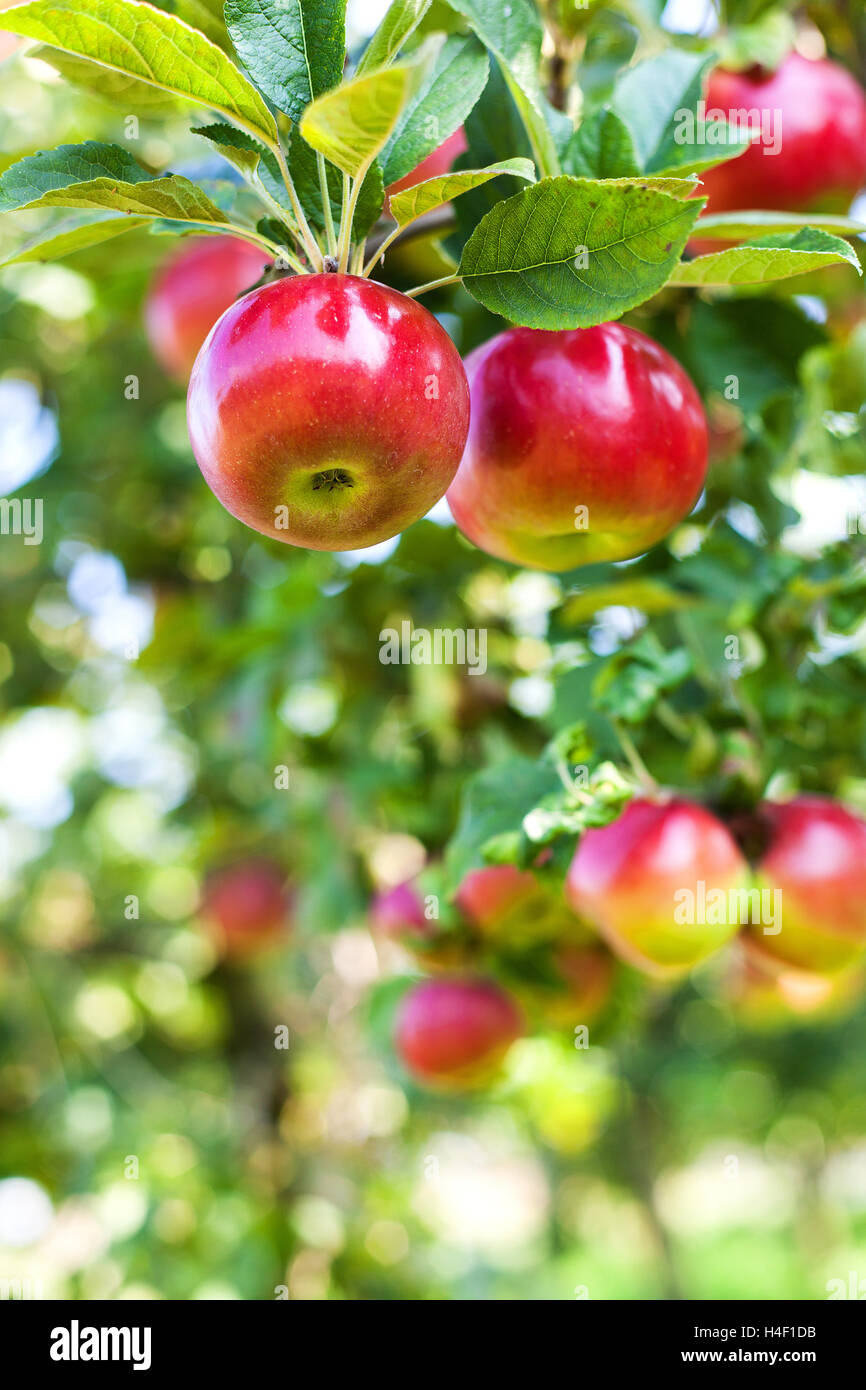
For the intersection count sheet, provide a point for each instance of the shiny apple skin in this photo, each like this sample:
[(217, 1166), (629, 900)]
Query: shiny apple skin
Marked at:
[(247, 905), (624, 878), (822, 159), (195, 286), (601, 418), (453, 1032), (816, 856), (331, 403)]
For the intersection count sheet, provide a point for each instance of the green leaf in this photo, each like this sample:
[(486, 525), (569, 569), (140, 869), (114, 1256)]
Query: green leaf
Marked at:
[(767, 42), (649, 96), (565, 813), (650, 596), (173, 197), (75, 233), (662, 183), (443, 100), (141, 41), (495, 802), (422, 197), (105, 83), (351, 124), (494, 132), (305, 176), (26, 181), (248, 155), (568, 253), (704, 146), (771, 258), (756, 340), (400, 21), (601, 148), (293, 49), (513, 32), (205, 15), (658, 102), (630, 683), (734, 226)]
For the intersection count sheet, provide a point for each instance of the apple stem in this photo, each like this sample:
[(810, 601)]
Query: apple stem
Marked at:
[(635, 761), (433, 285), (271, 247), (310, 244), (673, 720), (345, 239), (326, 205), (348, 217), (378, 254)]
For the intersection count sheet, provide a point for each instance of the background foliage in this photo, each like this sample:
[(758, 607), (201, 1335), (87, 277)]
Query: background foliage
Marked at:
[(159, 663)]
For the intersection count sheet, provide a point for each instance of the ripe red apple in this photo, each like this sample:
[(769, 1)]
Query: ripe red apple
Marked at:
[(511, 904), (195, 286), (328, 411), (816, 856), (584, 445), (439, 162), (633, 879), (246, 906), (820, 122), (453, 1033)]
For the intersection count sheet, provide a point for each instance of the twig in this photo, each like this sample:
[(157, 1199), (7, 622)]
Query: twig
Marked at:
[(433, 285)]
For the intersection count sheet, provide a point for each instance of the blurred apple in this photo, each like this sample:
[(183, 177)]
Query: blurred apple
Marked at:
[(769, 995), (246, 906), (195, 286), (636, 878), (510, 905), (452, 1033), (815, 857)]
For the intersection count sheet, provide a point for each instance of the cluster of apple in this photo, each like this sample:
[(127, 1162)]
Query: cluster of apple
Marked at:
[(661, 889), (330, 411)]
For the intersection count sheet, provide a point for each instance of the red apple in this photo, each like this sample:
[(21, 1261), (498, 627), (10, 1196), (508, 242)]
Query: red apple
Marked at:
[(816, 857), (246, 906), (584, 445), (820, 122), (400, 912), (453, 1033), (643, 877), (511, 904), (439, 162), (328, 411), (197, 284)]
